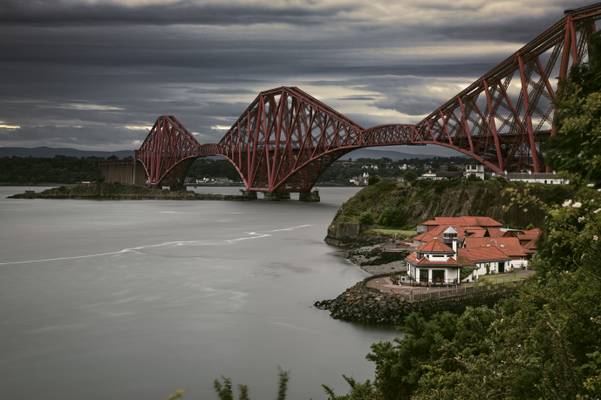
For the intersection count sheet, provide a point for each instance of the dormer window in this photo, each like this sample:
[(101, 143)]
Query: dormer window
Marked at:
[(449, 234)]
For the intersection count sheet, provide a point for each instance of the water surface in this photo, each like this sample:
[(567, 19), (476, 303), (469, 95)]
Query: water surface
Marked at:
[(134, 299)]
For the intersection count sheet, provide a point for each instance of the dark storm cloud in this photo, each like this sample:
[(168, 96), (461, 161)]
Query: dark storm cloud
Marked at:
[(59, 12), (98, 73)]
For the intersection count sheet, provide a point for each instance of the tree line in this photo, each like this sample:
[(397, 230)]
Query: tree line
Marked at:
[(69, 170)]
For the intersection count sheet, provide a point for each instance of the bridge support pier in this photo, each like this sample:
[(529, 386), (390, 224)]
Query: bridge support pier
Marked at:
[(248, 195), (276, 196), (309, 196)]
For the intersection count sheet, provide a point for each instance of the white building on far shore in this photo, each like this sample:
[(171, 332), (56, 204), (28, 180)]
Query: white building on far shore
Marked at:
[(430, 176), (547, 178), (476, 170)]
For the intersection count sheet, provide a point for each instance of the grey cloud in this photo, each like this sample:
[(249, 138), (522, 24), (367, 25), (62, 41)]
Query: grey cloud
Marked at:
[(178, 12), (357, 98), (204, 63)]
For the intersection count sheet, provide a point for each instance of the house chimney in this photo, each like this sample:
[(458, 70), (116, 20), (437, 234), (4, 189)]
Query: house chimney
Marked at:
[(454, 245)]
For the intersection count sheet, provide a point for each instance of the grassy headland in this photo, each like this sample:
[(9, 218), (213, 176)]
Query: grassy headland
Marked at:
[(393, 209), (118, 191)]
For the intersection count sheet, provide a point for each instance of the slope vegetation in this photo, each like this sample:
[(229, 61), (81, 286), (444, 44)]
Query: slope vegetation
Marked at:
[(399, 205)]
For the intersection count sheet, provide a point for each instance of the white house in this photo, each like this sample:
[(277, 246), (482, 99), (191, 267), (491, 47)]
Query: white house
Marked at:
[(476, 170), (441, 259), (484, 261), (360, 180), (435, 263)]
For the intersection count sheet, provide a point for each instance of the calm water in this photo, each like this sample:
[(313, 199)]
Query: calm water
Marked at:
[(134, 299)]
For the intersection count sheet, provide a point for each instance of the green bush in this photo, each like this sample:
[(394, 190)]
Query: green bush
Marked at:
[(372, 180), (366, 218), (393, 216)]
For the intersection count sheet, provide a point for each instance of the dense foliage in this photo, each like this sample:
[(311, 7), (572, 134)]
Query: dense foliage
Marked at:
[(543, 344), (59, 169), (403, 205), (575, 148), (340, 172), (63, 169), (206, 167)]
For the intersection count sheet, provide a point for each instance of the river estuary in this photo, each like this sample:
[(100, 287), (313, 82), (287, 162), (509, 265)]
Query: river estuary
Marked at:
[(135, 299)]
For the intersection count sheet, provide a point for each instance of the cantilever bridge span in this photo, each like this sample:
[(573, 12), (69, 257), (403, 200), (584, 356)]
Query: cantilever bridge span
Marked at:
[(286, 138)]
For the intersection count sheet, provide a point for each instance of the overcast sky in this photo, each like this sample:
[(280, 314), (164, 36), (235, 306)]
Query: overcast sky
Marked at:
[(95, 74)]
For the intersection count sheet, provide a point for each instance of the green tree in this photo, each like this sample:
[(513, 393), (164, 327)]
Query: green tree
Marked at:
[(366, 218), (410, 176), (393, 217), (225, 391), (575, 148), (372, 180)]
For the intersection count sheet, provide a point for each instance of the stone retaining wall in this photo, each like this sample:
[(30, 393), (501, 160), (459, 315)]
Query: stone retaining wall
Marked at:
[(362, 304)]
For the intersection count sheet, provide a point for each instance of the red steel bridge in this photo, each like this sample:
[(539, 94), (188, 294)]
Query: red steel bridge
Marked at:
[(286, 138)]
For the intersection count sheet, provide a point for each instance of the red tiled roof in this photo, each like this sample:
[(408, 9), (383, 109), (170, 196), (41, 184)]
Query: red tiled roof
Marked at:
[(530, 247), (463, 221), (424, 262), (509, 245), (482, 254), (435, 246), (530, 234), (495, 232), (474, 231), (431, 234), (437, 233), (500, 232)]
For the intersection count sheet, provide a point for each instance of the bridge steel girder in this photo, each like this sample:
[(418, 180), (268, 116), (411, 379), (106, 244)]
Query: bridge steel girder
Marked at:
[(506, 114), (168, 144), (282, 132), (286, 138)]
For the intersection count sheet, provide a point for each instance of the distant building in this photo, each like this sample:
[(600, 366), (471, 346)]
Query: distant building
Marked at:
[(476, 170), (547, 178), (360, 180), (431, 176)]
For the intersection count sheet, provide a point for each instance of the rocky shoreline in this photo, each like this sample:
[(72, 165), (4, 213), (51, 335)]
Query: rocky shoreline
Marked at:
[(365, 305)]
